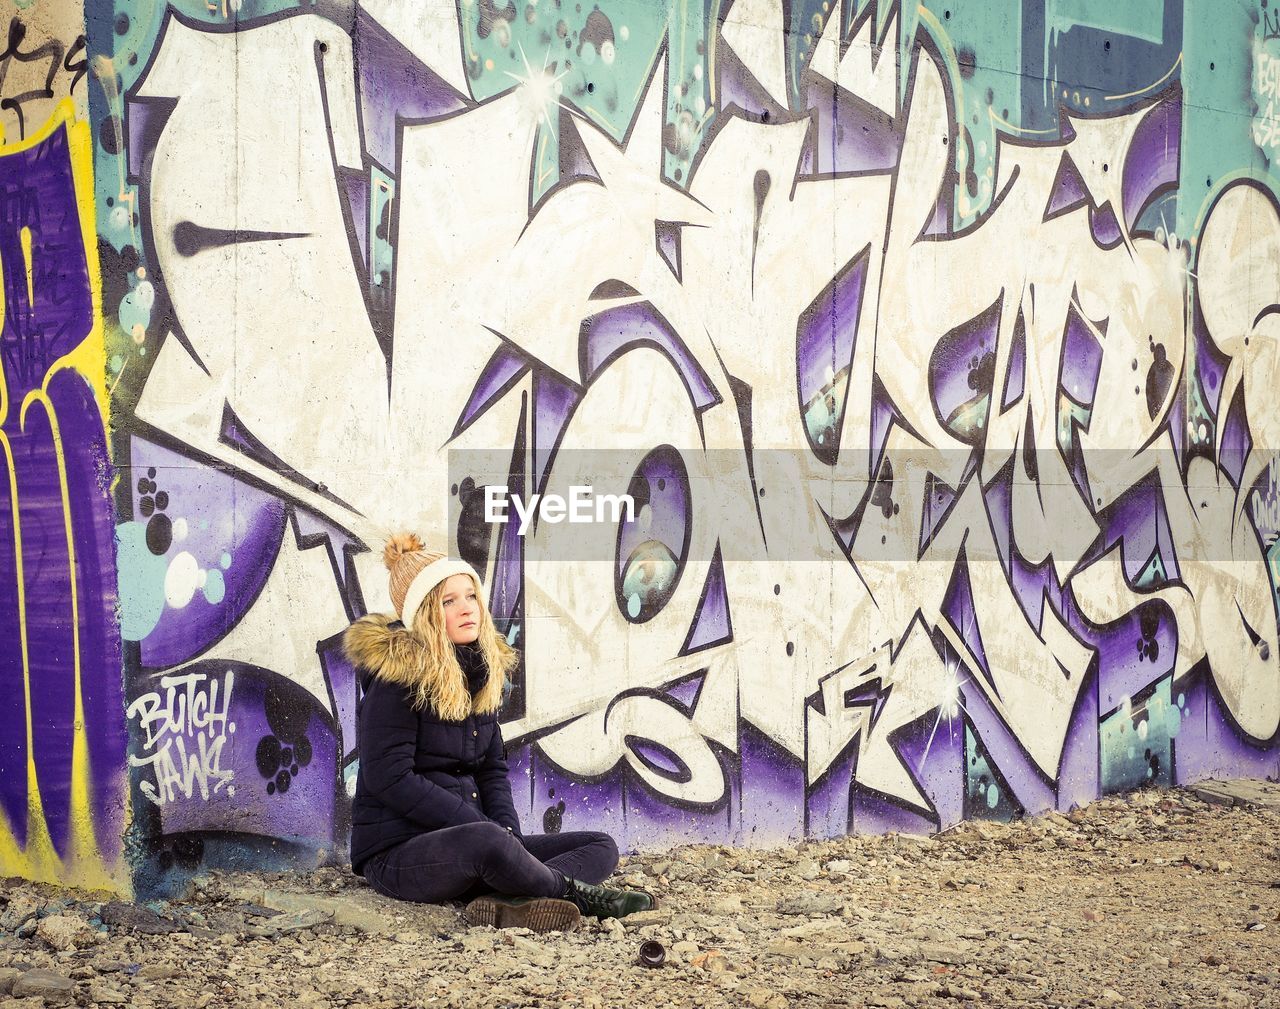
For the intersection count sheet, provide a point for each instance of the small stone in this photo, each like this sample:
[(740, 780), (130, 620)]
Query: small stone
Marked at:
[(100, 994), (658, 916), (814, 927), (18, 912), (811, 903), (1238, 792), (45, 984), (759, 998), (710, 859), (113, 966), (8, 975), (263, 911), (615, 928), (119, 914), (726, 906), (158, 971), (712, 960), (478, 942), (788, 949), (293, 921), (938, 952), (66, 932)]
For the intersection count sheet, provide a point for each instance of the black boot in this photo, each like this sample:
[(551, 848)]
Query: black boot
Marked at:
[(605, 902)]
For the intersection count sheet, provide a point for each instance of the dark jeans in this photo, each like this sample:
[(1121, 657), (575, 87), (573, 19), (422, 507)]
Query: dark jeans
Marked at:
[(477, 858)]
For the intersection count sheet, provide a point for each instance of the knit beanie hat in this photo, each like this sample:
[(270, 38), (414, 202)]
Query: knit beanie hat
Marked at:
[(415, 571)]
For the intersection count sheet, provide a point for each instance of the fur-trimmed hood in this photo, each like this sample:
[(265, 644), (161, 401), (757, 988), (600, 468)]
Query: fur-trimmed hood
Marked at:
[(381, 645)]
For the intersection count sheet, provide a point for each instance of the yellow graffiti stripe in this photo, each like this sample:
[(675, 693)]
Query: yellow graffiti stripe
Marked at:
[(38, 860), (943, 39), (84, 865), (1008, 127), (24, 238), (1150, 87), (89, 357)]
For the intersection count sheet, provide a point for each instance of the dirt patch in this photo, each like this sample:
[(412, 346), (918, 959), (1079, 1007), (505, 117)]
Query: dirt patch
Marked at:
[(1159, 899)]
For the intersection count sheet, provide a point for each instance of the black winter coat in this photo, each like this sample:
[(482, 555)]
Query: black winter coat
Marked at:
[(419, 772)]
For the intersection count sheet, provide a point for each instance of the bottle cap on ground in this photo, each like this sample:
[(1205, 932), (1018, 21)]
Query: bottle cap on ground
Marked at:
[(651, 954)]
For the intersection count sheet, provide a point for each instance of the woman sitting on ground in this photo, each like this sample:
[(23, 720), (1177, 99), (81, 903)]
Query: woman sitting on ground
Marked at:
[(433, 818)]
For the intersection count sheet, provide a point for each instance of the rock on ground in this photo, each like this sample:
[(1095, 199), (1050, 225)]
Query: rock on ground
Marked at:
[(1157, 900), (66, 932)]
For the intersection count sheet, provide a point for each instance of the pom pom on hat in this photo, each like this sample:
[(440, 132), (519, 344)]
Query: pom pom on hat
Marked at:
[(399, 545)]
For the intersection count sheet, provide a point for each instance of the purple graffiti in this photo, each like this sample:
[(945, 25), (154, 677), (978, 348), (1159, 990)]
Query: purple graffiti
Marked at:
[(62, 513)]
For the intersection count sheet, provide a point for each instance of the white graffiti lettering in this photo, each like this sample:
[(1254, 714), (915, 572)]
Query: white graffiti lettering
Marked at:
[(184, 728)]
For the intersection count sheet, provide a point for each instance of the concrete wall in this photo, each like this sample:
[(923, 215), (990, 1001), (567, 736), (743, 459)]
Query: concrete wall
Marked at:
[(937, 343)]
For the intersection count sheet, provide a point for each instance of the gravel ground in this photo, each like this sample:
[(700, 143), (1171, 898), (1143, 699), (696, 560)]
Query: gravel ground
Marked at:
[(1158, 899)]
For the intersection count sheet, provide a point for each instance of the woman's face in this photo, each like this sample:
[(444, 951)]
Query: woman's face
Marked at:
[(461, 610)]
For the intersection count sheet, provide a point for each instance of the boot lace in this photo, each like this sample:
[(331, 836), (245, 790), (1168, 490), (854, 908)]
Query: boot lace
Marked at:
[(599, 901)]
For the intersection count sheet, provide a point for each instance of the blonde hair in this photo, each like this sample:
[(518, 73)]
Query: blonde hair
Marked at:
[(438, 680)]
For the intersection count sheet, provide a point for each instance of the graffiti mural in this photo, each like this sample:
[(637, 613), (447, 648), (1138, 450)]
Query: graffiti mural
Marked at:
[(934, 344), (62, 741)]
